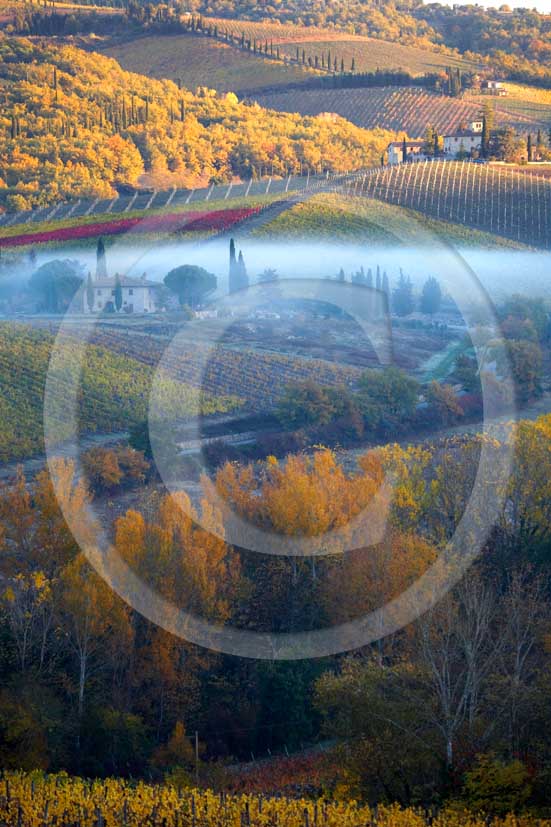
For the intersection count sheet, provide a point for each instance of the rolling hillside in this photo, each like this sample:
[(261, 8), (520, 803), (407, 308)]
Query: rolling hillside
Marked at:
[(395, 108), (223, 65), (343, 219), (369, 53), (76, 125), (400, 108), (200, 61), (486, 197)]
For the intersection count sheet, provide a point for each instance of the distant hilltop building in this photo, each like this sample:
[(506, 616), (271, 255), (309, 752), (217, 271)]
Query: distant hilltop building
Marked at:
[(137, 295), (493, 87)]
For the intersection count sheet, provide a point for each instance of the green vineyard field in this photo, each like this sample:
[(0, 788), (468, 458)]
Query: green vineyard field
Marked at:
[(340, 219), (486, 197)]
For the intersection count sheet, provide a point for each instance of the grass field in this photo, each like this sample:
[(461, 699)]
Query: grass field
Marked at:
[(202, 61), (395, 108), (342, 219)]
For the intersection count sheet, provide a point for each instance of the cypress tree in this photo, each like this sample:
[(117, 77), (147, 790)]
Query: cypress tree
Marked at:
[(101, 261), (529, 149), (233, 280), (485, 142), (386, 286), (118, 293), (242, 272), (89, 292)]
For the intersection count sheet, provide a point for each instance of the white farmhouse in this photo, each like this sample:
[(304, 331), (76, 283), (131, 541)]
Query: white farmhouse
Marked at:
[(138, 294)]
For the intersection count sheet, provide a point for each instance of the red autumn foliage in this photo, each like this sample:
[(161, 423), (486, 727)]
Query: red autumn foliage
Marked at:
[(169, 223)]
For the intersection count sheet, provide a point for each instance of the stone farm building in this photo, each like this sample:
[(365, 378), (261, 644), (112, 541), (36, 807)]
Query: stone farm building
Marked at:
[(138, 294), (462, 143), (414, 150)]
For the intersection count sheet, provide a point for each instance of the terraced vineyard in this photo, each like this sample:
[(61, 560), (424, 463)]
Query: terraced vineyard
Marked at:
[(486, 197), (256, 377), (395, 108)]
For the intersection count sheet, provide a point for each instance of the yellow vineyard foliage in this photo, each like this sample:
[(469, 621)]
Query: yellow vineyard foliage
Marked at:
[(34, 800)]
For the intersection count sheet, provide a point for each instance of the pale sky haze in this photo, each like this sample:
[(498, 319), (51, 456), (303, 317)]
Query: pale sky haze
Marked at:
[(540, 5)]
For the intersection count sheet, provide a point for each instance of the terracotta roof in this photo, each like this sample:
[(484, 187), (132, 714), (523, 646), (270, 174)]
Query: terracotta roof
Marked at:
[(125, 281)]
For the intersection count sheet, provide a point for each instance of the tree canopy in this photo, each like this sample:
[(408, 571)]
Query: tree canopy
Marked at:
[(190, 283)]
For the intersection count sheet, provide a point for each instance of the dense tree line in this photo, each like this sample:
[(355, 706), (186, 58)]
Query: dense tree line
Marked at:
[(108, 677)]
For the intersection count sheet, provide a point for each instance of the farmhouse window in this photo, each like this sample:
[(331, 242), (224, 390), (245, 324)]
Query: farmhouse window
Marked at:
[(130, 291)]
